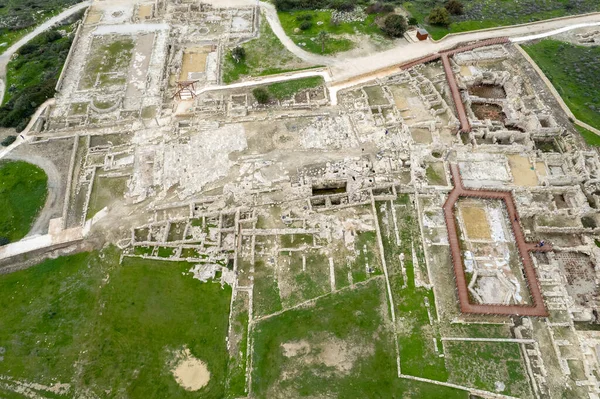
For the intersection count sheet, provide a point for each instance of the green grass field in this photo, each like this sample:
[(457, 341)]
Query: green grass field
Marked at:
[(23, 191), (265, 55), (482, 14), (110, 328), (488, 363), (353, 322), (590, 137), (337, 41), (575, 77), (289, 88)]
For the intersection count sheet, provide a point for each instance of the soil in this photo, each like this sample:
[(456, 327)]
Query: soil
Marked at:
[(189, 372), (476, 222)]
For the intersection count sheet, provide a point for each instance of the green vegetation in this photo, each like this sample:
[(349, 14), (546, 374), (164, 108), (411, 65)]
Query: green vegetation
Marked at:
[(575, 77), (395, 25), (414, 305), (434, 176), (261, 95), (23, 191), (17, 17), (486, 364), (290, 87), (481, 14), (321, 21), (266, 291), (103, 327), (264, 55), (590, 137), (106, 58), (33, 74), (353, 321), (8, 140)]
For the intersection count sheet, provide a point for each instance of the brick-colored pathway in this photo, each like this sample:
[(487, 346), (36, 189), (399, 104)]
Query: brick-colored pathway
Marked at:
[(538, 308), (465, 126)]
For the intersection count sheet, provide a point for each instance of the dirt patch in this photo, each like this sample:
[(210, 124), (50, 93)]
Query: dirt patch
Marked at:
[(145, 11), (189, 372), (340, 355), (492, 112), (295, 348), (523, 173), (194, 61), (487, 91), (476, 222)]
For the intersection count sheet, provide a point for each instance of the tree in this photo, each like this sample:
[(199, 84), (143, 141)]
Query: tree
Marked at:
[(238, 53), (8, 141), (305, 25), (261, 95), (322, 38), (395, 25), (439, 16), (454, 7)]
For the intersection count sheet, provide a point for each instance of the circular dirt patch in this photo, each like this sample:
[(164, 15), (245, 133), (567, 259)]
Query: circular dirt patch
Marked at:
[(191, 373)]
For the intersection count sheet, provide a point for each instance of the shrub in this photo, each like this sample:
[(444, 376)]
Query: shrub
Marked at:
[(412, 21), (343, 6), (379, 8), (305, 17), (395, 25), (261, 95), (238, 53), (8, 141), (454, 7), (305, 25), (439, 16), (4, 241)]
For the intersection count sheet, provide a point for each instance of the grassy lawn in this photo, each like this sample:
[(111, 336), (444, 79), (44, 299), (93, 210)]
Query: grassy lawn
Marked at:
[(288, 88), (321, 20), (340, 347), (575, 77), (106, 191), (17, 17), (481, 14), (105, 327), (415, 333), (23, 191), (486, 364), (590, 137), (265, 55)]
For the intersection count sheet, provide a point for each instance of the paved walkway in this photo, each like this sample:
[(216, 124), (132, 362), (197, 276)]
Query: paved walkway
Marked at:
[(466, 306), (5, 57)]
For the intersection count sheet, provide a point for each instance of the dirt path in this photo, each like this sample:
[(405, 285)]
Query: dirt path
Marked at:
[(273, 19), (5, 57)]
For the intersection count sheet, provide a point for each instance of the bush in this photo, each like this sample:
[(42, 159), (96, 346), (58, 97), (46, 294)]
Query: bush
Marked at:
[(4, 241), (439, 16), (8, 141), (395, 25), (412, 21), (305, 25), (343, 6), (261, 95), (379, 8), (454, 7), (238, 53), (305, 17)]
